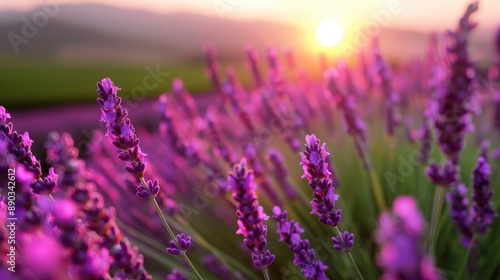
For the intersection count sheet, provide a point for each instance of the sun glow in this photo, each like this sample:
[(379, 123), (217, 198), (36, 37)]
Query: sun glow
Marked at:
[(329, 34)]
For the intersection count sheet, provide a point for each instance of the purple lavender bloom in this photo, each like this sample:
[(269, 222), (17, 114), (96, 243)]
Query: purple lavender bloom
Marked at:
[(485, 145), (459, 212), (19, 145), (150, 191), (120, 129), (304, 256), (316, 172), (184, 242), (399, 236), (122, 133), (442, 176), (184, 98), (127, 262), (495, 78), (281, 172), (216, 136), (4, 116), (175, 275), (452, 120), (212, 70), (353, 125), (169, 129), (495, 154), (252, 57), (391, 98), (251, 216), (45, 185), (343, 242), (425, 136), (482, 212), (65, 213)]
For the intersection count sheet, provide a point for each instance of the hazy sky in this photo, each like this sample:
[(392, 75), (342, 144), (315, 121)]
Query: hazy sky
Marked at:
[(413, 14)]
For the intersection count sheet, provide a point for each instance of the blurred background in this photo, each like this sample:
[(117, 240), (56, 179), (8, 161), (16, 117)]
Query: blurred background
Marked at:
[(53, 52)]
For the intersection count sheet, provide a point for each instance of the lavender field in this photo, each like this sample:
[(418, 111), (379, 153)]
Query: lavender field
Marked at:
[(373, 169)]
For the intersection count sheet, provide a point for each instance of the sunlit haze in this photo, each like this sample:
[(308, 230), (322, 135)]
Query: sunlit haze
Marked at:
[(410, 14), (329, 33)]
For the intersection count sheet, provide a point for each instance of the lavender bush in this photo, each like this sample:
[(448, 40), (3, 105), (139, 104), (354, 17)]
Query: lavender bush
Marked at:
[(187, 199)]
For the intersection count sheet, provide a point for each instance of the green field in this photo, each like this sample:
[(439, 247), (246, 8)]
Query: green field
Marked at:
[(42, 82)]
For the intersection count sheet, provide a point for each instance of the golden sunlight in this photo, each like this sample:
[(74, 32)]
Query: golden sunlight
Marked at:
[(329, 33)]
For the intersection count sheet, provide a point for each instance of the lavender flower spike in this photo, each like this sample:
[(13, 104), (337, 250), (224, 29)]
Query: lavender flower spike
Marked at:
[(316, 172), (343, 243), (184, 244), (303, 255), (151, 191), (251, 216), (482, 212), (459, 212), (452, 120), (121, 131)]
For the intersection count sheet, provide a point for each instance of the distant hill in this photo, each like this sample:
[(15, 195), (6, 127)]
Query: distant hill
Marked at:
[(97, 32)]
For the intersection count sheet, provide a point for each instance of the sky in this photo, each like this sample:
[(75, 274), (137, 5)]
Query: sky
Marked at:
[(423, 15)]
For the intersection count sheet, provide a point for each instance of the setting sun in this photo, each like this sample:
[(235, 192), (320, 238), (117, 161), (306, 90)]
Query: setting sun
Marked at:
[(329, 34)]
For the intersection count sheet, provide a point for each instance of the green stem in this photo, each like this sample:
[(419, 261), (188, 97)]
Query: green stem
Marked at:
[(171, 233), (378, 194), (466, 258), (350, 255), (436, 212), (223, 257), (266, 273)]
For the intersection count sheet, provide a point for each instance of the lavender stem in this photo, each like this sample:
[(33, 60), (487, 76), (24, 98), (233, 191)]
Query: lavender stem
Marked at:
[(466, 258), (170, 232), (266, 273), (436, 211), (374, 180), (225, 259)]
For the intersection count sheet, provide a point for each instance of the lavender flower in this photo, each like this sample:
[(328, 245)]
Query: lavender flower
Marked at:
[(452, 119), (169, 129), (390, 96), (281, 173), (127, 262), (353, 125), (316, 172), (120, 129), (304, 256), (399, 236), (45, 185), (175, 275), (184, 242), (19, 145), (482, 212), (495, 76), (442, 176), (184, 98), (344, 242), (212, 70), (252, 57), (459, 212), (251, 216), (150, 191), (425, 136)]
